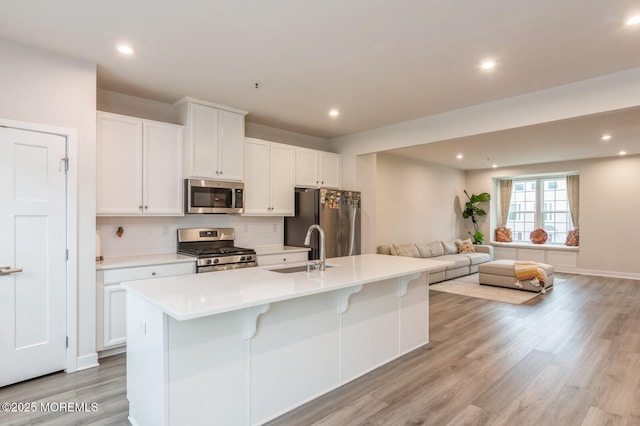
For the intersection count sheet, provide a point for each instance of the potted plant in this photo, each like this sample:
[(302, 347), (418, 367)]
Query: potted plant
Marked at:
[(471, 210)]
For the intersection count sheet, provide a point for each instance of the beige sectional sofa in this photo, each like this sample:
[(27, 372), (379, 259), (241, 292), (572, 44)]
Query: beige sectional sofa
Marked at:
[(463, 263)]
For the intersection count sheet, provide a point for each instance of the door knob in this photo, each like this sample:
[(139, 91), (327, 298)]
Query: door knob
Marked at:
[(7, 270)]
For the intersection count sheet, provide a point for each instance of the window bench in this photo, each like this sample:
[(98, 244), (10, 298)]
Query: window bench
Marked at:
[(563, 258)]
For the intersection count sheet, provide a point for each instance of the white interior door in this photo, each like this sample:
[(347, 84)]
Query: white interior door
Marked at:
[(33, 240)]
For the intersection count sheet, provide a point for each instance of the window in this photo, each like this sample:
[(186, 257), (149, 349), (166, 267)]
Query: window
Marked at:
[(540, 203)]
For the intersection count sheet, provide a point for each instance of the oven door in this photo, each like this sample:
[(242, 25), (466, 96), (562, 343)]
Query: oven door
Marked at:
[(206, 196)]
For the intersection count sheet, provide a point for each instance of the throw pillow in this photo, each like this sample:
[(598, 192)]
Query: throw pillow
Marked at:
[(465, 246), (408, 250), (573, 238), (538, 236), (450, 247), (503, 235)]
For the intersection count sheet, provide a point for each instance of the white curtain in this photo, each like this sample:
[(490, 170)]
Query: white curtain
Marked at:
[(505, 201), (573, 193)]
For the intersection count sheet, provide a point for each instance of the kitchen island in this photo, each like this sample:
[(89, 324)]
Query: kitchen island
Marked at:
[(243, 347)]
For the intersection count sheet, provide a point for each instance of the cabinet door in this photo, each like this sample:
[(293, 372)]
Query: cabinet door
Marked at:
[(162, 169), (307, 168), (204, 139), (114, 330), (231, 165), (329, 170), (282, 174), (256, 180), (118, 165)]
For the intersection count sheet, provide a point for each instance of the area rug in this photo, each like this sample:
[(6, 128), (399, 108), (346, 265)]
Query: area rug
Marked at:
[(468, 286)]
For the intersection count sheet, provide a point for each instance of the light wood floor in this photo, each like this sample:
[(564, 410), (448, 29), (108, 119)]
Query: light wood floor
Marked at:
[(571, 357)]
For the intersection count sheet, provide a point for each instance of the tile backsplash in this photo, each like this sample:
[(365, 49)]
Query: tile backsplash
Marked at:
[(156, 235)]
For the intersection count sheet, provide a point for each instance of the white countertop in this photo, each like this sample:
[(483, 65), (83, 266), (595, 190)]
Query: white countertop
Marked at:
[(143, 260), (198, 295), (265, 250)]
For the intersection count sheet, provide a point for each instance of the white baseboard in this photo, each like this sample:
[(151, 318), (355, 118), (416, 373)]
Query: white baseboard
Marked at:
[(610, 274), (113, 351), (87, 361)]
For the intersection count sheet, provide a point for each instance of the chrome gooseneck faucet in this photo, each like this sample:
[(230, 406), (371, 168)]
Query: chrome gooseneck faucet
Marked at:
[(320, 264)]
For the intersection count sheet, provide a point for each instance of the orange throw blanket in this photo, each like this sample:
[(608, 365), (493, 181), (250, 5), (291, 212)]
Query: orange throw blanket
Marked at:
[(530, 271)]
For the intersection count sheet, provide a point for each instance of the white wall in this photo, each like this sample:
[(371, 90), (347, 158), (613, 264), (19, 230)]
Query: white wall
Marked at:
[(609, 202), (416, 201), (43, 87)]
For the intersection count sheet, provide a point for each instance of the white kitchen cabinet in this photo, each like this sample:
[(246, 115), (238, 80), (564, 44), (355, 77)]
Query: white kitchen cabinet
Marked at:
[(214, 136), (269, 178), (317, 169), (111, 300), (139, 167)]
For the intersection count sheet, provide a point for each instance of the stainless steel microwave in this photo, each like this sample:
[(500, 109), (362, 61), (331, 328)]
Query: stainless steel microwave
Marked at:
[(213, 196)]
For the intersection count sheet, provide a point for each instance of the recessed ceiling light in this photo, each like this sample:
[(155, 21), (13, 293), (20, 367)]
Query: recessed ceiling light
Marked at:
[(634, 20), (606, 137), (334, 113), (622, 153), (125, 50), (488, 65), (495, 166), (459, 156)]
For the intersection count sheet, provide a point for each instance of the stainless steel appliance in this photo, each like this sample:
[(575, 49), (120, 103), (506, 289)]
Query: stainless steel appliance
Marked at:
[(336, 211), (213, 196), (214, 250)]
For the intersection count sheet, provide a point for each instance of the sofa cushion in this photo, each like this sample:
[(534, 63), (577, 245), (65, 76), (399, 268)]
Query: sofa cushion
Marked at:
[(477, 258), (465, 246), (408, 250), (459, 260), (450, 247), (432, 249), (384, 249)]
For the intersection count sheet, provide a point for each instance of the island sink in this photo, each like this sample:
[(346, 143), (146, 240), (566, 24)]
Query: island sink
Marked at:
[(292, 269)]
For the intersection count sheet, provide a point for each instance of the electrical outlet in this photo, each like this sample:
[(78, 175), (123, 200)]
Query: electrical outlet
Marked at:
[(165, 230), (275, 227)]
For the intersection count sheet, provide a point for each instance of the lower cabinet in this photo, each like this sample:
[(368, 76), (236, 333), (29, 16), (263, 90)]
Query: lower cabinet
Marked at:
[(111, 298)]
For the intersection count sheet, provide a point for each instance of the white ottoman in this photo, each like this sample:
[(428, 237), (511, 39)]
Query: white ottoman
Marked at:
[(501, 273)]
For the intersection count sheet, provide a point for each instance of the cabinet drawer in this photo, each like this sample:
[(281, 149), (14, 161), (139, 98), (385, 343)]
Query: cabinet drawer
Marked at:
[(144, 272), (274, 259)]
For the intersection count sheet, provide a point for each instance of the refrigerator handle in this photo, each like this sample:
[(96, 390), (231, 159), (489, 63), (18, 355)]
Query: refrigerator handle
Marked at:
[(352, 233)]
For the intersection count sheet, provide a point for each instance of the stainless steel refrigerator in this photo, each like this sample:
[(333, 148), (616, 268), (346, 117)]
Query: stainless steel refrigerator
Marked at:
[(336, 211)]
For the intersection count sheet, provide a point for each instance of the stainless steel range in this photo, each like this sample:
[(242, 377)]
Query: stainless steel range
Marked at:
[(214, 249)]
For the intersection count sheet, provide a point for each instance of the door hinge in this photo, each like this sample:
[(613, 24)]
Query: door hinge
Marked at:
[(65, 160), (67, 342)]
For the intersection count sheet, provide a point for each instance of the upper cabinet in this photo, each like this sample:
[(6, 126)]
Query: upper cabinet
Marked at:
[(214, 140), (317, 169), (138, 167), (269, 178)]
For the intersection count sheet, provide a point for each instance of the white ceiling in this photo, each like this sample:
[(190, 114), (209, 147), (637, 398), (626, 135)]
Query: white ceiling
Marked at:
[(379, 62)]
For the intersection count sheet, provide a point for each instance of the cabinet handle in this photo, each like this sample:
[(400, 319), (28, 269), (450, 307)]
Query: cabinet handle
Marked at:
[(140, 208), (146, 207), (284, 259), (153, 273)]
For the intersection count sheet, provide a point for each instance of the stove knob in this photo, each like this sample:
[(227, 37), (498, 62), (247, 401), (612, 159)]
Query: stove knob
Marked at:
[(208, 262), (216, 260), (242, 259), (249, 257)]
